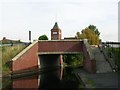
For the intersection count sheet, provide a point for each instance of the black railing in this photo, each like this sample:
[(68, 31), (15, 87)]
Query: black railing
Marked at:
[(108, 51)]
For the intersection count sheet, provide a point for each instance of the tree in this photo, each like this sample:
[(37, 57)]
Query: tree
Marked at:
[(92, 27), (43, 37), (93, 38)]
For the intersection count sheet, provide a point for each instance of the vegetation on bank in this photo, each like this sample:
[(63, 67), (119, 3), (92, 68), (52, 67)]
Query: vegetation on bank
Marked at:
[(9, 52), (74, 60), (115, 54)]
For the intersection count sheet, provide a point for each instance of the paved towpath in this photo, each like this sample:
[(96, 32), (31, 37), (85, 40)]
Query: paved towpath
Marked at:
[(102, 66), (98, 80)]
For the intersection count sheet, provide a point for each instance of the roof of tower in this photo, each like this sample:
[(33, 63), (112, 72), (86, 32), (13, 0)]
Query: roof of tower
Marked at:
[(55, 26)]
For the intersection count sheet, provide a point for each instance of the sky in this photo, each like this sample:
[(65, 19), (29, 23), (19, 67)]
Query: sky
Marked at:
[(17, 17)]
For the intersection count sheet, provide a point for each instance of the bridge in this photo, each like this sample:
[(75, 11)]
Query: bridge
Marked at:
[(60, 47), (47, 53)]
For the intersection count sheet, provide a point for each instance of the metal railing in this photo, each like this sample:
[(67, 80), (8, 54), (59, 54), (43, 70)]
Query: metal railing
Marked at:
[(108, 56)]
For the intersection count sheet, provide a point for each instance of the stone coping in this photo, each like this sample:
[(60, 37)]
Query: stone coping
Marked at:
[(25, 50), (44, 53), (59, 40)]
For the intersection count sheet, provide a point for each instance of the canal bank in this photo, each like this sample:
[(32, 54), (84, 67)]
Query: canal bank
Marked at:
[(98, 80)]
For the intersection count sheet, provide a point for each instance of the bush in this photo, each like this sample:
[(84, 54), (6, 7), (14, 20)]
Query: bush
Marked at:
[(74, 60)]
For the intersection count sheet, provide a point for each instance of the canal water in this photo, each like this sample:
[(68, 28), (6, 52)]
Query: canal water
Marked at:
[(60, 78)]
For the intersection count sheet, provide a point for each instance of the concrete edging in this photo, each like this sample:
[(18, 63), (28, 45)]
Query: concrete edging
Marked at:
[(59, 40), (44, 53)]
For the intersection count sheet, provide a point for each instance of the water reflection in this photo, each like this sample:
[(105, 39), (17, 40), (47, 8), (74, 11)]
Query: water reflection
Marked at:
[(61, 78), (50, 79), (31, 82)]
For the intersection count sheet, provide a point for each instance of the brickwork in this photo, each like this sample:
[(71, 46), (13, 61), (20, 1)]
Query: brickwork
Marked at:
[(93, 62), (60, 46), (56, 32), (89, 65), (27, 60)]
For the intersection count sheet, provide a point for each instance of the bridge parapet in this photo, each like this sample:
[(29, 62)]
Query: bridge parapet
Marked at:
[(89, 50), (89, 60), (60, 46), (27, 59)]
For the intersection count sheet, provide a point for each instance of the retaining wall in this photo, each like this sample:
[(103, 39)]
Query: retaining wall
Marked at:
[(27, 59)]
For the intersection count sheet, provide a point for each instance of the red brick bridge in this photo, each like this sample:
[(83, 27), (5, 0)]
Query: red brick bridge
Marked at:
[(45, 53)]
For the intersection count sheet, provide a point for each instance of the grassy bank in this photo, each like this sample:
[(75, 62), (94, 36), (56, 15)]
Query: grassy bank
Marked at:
[(116, 55), (8, 52)]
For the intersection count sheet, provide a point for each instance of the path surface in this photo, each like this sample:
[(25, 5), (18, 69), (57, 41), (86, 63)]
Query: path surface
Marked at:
[(99, 80), (102, 66), (103, 78)]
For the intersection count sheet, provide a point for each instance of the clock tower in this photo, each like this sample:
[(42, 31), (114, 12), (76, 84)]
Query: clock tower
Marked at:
[(55, 32)]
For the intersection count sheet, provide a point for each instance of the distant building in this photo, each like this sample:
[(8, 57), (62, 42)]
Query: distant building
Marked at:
[(9, 41), (56, 32), (5, 39)]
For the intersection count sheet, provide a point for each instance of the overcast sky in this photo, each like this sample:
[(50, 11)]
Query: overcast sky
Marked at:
[(17, 17)]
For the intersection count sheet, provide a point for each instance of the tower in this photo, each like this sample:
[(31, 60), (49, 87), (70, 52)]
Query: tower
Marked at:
[(56, 32)]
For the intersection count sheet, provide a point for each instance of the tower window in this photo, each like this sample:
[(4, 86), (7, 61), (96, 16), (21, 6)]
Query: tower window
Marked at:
[(54, 32)]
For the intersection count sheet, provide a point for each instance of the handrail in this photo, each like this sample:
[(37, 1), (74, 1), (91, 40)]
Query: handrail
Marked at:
[(107, 58)]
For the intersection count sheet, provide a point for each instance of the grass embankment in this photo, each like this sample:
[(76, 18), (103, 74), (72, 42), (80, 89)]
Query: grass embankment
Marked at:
[(8, 52), (116, 54)]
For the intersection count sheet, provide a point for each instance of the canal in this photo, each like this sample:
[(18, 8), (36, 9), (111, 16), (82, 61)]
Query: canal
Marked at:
[(58, 78)]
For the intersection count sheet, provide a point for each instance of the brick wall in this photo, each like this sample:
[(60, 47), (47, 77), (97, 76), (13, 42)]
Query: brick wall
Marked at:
[(89, 65), (60, 46), (27, 59), (93, 66)]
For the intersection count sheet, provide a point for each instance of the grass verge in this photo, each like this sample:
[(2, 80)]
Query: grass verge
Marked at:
[(8, 52)]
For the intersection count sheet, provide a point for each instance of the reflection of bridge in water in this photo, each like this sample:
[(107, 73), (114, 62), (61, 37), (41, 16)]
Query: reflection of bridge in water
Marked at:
[(37, 80), (53, 79)]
